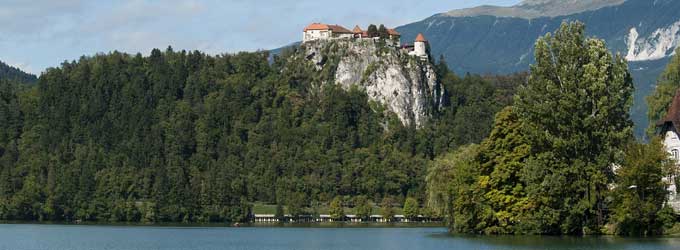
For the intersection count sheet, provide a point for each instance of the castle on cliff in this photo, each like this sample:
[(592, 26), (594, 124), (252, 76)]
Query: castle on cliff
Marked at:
[(320, 31)]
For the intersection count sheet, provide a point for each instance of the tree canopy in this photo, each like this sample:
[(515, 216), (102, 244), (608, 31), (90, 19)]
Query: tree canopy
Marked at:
[(548, 163), (188, 137), (640, 191)]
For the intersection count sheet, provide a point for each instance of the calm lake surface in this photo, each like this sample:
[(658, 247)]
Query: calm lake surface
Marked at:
[(58, 237)]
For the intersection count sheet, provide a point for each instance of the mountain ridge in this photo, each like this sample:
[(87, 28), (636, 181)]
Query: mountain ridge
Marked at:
[(530, 9)]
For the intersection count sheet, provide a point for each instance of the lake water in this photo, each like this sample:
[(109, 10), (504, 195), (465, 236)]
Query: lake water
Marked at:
[(58, 237)]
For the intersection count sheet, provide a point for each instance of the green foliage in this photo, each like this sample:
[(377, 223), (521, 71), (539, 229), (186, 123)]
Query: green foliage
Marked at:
[(336, 210), (280, 214), (188, 137), (370, 69), (296, 205), (362, 207), (386, 208), (382, 32), (666, 87), (546, 166), (640, 190), (576, 107), (469, 105), (453, 188), (502, 157), (411, 208), (372, 31)]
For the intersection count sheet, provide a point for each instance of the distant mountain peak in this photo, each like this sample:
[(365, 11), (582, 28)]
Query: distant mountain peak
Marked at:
[(530, 9)]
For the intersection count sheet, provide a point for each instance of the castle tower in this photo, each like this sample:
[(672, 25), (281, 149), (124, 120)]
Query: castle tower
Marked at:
[(420, 46)]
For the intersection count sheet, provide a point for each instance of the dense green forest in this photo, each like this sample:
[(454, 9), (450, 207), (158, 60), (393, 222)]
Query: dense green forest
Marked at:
[(13, 74), (189, 137), (562, 159)]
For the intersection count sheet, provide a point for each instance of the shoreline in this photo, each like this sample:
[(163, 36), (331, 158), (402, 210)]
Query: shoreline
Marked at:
[(239, 225)]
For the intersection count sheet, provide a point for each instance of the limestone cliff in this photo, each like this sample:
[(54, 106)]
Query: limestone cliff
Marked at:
[(405, 84)]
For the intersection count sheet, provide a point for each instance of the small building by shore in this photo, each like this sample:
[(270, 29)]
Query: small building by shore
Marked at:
[(350, 218)]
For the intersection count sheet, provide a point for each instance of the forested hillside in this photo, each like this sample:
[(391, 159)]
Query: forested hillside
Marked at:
[(11, 73), (184, 137)]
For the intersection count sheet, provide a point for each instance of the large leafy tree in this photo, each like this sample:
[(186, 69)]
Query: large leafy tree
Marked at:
[(575, 106), (502, 157), (453, 190)]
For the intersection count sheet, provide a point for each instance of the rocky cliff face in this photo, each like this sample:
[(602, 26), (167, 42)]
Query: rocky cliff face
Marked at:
[(406, 85)]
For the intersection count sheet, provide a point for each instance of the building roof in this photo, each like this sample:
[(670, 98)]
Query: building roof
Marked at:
[(335, 28), (357, 30), (316, 26), (420, 38), (339, 29), (673, 115), (393, 32)]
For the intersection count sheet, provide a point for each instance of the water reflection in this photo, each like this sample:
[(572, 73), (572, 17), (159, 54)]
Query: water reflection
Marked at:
[(58, 237)]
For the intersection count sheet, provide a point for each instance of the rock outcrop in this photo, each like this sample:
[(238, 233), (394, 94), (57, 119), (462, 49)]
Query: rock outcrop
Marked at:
[(406, 85)]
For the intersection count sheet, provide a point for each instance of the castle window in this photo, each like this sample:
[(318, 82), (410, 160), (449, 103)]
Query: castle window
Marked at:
[(676, 154)]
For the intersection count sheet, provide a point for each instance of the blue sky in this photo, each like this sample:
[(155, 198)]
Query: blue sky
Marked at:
[(38, 34)]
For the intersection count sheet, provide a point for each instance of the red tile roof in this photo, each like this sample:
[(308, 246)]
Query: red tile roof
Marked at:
[(357, 30), (420, 38), (393, 32), (335, 28), (339, 29), (673, 116), (316, 26)]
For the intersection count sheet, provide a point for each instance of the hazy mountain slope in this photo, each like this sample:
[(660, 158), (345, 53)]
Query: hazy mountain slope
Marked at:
[(536, 8), (482, 43)]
